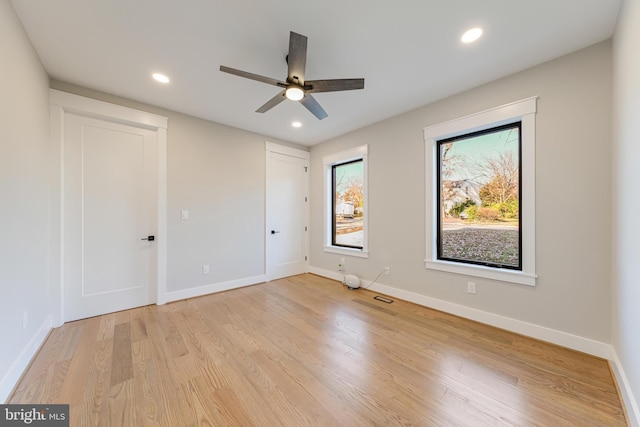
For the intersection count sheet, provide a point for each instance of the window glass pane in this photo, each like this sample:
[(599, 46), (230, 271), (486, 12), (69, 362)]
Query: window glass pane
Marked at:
[(479, 195), (347, 182)]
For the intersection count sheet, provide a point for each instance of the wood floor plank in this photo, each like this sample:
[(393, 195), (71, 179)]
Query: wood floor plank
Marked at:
[(119, 410), (169, 390), (147, 395), (122, 361), (305, 351), (96, 370)]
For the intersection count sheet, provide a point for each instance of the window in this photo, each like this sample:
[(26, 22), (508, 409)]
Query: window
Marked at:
[(481, 194), (346, 202), (479, 198), (347, 186)]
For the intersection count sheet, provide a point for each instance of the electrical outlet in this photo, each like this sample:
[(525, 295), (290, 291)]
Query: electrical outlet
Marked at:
[(387, 270), (471, 287), (206, 269), (184, 214), (341, 265)]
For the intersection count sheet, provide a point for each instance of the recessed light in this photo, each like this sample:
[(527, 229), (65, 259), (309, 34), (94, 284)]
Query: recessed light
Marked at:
[(296, 124), (160, 78), (471, 35)]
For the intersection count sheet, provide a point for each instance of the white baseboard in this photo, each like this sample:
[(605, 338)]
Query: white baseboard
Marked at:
[(213, 288), (17, 368), (575, 342), (335, 275), (630, 403)]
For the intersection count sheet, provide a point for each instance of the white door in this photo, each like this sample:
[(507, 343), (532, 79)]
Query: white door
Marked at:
[(287, 212), (110, 188)]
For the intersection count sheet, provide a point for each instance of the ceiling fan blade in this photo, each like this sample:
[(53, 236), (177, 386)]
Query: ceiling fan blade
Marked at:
[(272, 103), (252, 76), (297, 57), (333, 85), (312, 105)]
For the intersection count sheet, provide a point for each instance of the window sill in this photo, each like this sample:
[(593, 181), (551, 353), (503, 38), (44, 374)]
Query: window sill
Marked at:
[(511, 276), (347, 251)]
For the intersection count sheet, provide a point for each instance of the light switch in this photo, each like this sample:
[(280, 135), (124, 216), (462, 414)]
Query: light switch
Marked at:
[(184, 215)]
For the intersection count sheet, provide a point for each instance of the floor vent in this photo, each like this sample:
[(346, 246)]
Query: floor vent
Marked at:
[(383, 299)]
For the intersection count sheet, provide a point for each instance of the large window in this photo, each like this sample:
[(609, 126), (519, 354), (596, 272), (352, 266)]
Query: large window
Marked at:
[(481, 194), (479, 198), (346, 202)]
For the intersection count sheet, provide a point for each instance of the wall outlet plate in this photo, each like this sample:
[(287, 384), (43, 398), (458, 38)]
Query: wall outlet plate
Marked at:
[(471, 287)]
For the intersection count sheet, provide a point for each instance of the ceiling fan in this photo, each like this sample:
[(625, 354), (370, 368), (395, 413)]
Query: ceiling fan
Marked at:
[(296, 88)]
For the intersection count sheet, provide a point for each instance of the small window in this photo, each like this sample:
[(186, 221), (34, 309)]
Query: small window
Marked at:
[(346, 202), (479, 198), (347, 181)]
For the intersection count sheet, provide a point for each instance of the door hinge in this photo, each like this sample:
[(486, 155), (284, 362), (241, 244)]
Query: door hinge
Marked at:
[(305, 199), (305, 168), (305, 257), (305, 228)]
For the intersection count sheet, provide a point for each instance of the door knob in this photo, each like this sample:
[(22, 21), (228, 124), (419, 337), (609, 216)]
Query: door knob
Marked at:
[(149, 238), (274, 231)]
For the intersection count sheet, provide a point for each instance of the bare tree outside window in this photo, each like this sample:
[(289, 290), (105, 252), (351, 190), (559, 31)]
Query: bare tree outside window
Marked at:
[(479, 198), (347, 180)]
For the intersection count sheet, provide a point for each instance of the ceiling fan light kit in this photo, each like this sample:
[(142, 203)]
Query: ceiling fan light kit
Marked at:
[(295, 87), (294, 93)]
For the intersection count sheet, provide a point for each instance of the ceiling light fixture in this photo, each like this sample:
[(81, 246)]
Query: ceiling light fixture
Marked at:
[(294, 93), (296, 124), (471, 35), (160, 78)]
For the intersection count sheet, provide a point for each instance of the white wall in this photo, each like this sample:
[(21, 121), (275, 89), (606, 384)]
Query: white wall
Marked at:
[(573, 202), (217, 173), (24, 197), (626, 230)]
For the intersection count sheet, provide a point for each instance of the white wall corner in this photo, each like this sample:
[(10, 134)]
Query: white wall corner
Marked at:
[(19, 366), (632, 411)]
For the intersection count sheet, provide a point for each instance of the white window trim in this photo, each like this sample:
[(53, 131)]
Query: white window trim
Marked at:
[(356, 153), (525, 111)]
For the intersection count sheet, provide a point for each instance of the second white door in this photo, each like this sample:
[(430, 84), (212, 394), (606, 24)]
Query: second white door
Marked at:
[(287, 212)]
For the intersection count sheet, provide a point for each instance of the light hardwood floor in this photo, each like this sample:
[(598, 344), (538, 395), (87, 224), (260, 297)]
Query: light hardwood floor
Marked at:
[(306, 351)]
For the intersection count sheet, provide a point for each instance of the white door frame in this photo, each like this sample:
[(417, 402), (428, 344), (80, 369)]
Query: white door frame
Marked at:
[(271, 147), (61, 103)]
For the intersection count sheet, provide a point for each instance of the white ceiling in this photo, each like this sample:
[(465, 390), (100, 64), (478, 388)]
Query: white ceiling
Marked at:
[(408, 51)]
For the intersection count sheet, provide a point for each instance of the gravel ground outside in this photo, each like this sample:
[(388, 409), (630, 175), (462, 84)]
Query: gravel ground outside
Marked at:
[(493, 245)]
